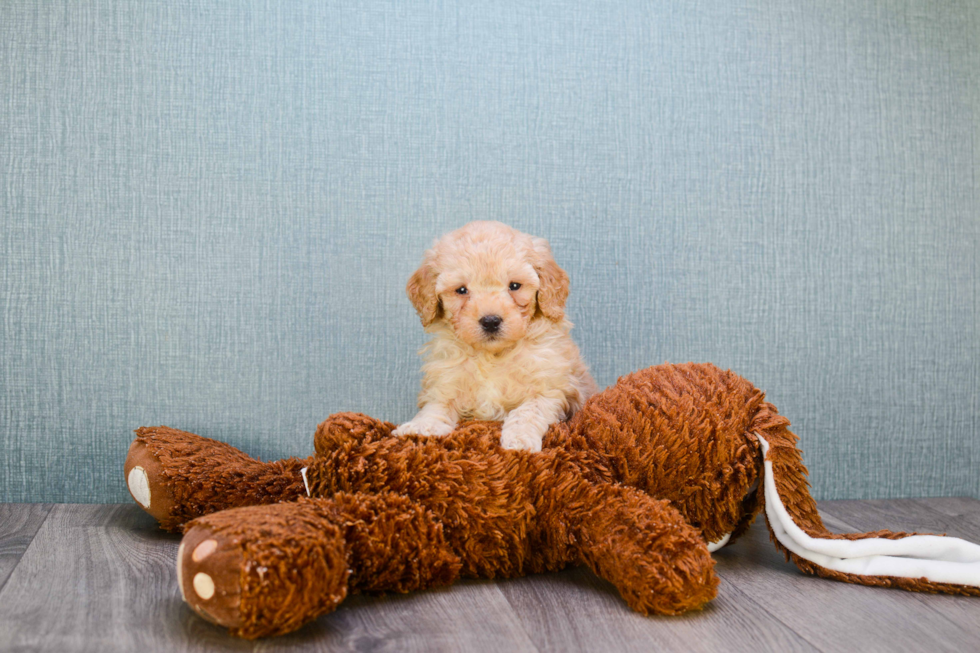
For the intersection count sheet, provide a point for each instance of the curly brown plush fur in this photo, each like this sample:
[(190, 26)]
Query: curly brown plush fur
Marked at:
[(634, 486)]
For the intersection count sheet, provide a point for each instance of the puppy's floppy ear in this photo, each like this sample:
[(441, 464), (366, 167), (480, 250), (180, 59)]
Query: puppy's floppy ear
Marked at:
[(421, 289), (553, 288)]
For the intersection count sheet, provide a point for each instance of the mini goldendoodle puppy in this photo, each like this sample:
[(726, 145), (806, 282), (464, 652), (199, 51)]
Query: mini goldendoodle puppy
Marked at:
[(494, 299)]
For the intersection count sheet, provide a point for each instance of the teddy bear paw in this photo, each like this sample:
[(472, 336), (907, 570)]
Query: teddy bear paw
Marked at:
[(209, 576), (264, 570), (146, 482)]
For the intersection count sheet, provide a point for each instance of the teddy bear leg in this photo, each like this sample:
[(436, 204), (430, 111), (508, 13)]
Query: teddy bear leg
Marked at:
[(177, 476), (658, 562), (267, 570)]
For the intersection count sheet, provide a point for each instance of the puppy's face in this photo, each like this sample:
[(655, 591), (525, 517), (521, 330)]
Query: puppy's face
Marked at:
[(488, 281), (489, 300)]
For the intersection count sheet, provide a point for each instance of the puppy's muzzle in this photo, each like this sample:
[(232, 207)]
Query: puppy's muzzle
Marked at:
[(491, 324)]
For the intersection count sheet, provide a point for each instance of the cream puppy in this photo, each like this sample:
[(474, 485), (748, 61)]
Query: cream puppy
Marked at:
[(494, 300)]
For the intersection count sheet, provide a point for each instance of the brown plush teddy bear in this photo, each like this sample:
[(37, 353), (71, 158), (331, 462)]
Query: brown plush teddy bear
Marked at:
[(651, 475)]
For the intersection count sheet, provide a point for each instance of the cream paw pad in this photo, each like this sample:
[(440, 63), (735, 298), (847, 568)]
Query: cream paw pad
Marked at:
[(209, 576)]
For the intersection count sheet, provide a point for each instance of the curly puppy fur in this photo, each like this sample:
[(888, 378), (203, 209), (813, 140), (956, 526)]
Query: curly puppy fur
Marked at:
[(494, 300)]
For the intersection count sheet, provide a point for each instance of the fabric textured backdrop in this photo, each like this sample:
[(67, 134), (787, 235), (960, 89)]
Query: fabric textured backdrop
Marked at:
[(210, 212)]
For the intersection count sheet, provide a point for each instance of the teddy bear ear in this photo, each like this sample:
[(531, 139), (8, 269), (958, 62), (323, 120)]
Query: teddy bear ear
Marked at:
[(421, 289), (553, 281)]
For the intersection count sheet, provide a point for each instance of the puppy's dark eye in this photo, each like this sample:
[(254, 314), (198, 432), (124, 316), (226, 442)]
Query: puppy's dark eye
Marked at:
[(461, 290), (514, 285)]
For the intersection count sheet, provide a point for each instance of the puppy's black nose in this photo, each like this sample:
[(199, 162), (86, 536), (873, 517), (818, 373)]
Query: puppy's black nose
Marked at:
[(491, 323)]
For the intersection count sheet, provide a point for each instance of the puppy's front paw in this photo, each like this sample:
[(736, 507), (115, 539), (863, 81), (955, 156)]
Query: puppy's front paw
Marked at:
[(424, 427), (517, 435)]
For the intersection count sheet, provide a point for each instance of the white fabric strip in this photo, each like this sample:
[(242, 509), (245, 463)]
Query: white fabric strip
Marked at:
[(714, 546), (933, 557)]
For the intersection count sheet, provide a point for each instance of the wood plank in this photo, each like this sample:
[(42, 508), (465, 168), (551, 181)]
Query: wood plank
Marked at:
[(964, 510), (19, 522), (468, 616), (836, 616), (102, 578), (574, 610), (956, 516)]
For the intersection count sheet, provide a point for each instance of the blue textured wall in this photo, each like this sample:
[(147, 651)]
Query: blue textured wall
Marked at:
[(209, 213)]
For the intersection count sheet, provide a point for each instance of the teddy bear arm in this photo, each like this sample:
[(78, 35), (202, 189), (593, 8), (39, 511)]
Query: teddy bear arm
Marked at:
[(177, 476)]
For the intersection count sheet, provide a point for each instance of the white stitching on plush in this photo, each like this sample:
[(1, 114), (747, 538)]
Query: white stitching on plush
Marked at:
[(305, 482)]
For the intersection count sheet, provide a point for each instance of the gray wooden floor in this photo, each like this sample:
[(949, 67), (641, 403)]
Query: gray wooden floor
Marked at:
[(101, 578)]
